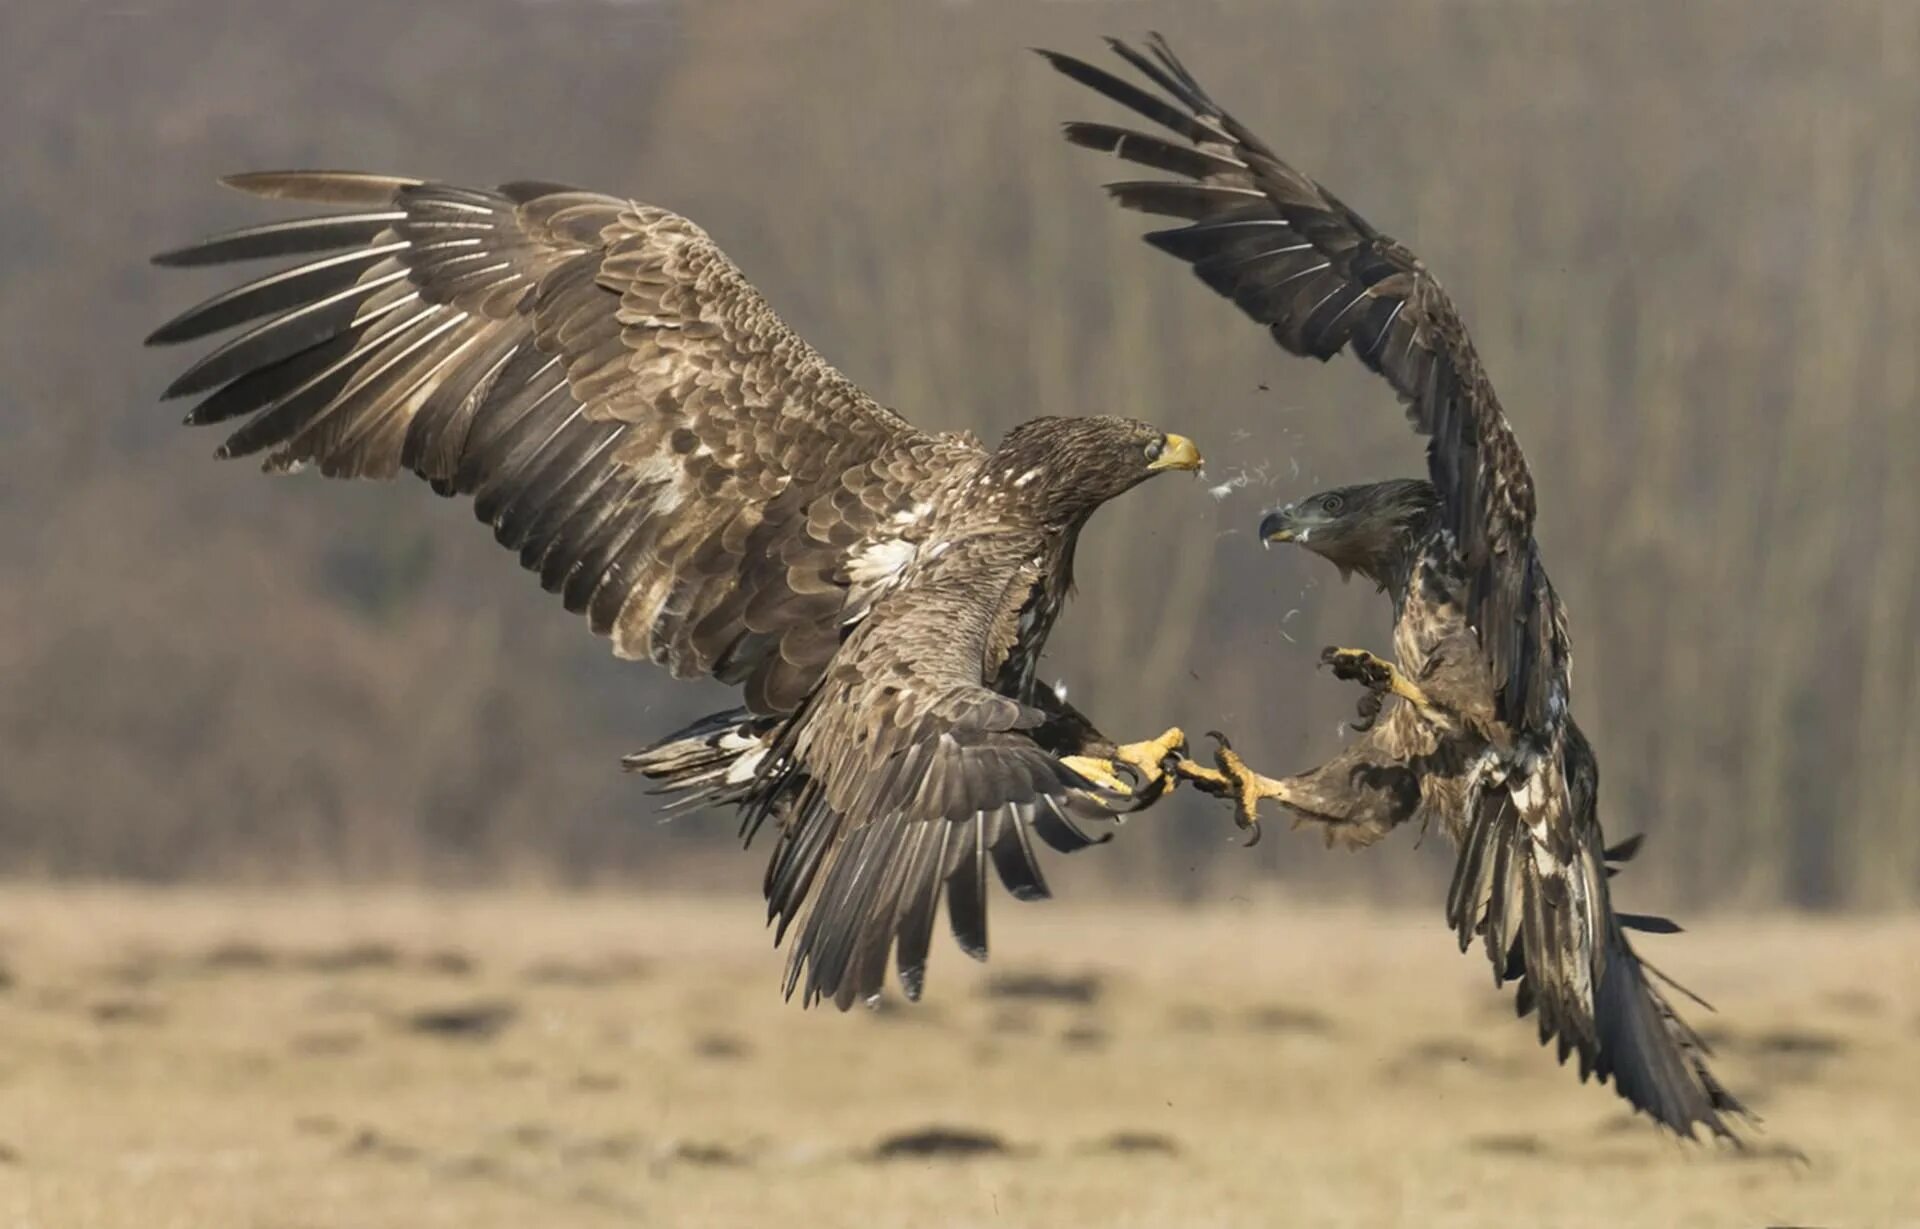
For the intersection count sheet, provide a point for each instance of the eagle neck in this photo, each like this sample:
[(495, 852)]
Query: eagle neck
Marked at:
[(1396, 570), (1038, 614)]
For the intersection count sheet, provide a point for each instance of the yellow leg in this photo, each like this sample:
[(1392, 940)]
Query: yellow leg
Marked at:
[(1149, 757), (1231, 778)]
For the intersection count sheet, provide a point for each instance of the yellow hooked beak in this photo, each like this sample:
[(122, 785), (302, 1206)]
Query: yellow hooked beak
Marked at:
[(1177, 452)]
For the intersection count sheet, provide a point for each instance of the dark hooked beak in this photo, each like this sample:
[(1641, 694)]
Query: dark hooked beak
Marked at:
[(1277, 526)]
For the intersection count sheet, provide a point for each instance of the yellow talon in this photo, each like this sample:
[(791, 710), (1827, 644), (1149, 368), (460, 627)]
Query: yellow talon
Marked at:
[(1149, 757), (1207, 780), (1247, 787), (1097, 770)]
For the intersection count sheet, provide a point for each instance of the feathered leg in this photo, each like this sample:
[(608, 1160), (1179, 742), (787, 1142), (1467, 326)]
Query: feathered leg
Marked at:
[(1354, 798)]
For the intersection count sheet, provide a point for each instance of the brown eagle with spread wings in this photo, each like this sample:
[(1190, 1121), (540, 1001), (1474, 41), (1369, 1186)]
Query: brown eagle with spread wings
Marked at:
[(1481, 739), (638, 426)]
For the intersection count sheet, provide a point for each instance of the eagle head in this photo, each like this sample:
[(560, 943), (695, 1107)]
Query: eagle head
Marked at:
[(1366, 529), (1073, 465)]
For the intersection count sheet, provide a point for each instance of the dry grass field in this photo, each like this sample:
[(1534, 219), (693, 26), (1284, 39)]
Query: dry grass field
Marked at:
[(363, 1060)]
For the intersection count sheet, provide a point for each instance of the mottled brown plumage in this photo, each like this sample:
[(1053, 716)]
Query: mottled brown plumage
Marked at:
[(640, 428), (1482, 741)]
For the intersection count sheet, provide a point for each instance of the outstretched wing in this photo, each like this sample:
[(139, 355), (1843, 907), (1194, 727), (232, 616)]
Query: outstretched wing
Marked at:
[(1296, 259), (624, 408), (1532, 884)]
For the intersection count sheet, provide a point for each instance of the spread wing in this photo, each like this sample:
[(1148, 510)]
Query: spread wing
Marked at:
[(1530, 878), (623, 407), (1296, 259), (921, 778)]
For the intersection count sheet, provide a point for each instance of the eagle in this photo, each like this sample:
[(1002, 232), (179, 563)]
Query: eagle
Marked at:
[(635, 423), (1480, 738)]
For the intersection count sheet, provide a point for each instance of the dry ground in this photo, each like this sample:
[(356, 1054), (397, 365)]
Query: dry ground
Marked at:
[(306, 1060)]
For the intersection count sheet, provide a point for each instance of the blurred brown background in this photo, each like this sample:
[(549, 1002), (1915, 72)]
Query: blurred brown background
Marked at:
[(1684, 236)]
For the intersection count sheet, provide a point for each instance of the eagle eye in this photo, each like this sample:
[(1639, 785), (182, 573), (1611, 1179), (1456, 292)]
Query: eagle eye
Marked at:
[(1332, 504), (1154, 448)]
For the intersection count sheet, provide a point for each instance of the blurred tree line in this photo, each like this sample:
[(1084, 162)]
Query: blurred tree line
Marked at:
[(1684, 236)]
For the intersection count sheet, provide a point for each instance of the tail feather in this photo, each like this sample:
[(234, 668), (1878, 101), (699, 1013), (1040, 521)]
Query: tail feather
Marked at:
[(1657, 1061), (850, 898), (716, 760), (1532, 882)]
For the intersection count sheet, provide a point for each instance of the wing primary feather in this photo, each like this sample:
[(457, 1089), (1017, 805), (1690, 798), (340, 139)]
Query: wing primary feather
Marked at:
[(1648, 923), (967, 891), (321, 187), (279, 338), (1150, 151), (294, 237), (292, 415), (1013, 856), (1052, 825), (1127, 95), (267, 386), (919, 903), (275, 292), (1154, 73)]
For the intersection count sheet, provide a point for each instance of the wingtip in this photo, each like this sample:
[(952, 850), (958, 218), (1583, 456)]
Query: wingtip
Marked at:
[(183, 385), (258, 183), (320, 187), (1060, 61), (913, 979)]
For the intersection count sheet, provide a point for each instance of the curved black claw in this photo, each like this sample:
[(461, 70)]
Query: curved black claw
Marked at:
[(1146, 791), (1232, 768), (1369, 713)]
